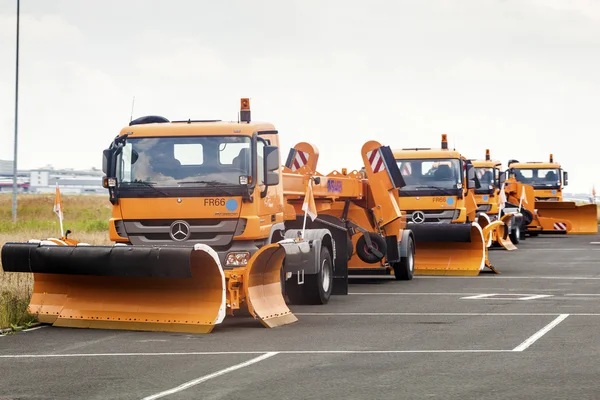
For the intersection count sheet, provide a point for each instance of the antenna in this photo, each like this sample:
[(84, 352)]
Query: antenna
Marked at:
[(132, 104)]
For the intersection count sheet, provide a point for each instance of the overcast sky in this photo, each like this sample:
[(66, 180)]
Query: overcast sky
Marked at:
[(520, 77)]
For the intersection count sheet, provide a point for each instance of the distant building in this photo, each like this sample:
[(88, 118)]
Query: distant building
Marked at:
[(6, 178), (44, 180)]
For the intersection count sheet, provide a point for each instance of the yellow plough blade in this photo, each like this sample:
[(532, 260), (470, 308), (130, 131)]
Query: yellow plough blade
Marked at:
[(502, 234), (484, 220), (263, 290), (498, 234), (449, 249), (170, 289), (583, 218)]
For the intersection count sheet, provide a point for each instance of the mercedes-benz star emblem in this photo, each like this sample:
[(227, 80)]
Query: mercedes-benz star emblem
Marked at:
[(418, 217), (180, 231)]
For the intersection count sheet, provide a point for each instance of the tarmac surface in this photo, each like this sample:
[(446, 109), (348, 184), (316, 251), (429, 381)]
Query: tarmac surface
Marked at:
[(429, 338)]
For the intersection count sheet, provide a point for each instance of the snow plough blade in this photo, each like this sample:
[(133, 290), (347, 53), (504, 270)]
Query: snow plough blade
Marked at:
[(502, 234), (172, 289), (262, 287), (583, 218), (449, 249)]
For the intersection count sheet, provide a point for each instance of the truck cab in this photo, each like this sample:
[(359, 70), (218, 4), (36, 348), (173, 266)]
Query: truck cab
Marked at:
[(490, 176), (180, 183), (437, 188), (546, 178)]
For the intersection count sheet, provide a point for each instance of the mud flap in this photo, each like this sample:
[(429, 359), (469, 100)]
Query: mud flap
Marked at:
[(583, 218), (448, 249), (130, 288), (263, 293)]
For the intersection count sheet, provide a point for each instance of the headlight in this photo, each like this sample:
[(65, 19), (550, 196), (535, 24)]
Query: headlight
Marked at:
[(237, 258)]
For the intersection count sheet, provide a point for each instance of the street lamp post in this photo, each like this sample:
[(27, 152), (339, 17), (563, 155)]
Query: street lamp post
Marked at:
[(14, 202)]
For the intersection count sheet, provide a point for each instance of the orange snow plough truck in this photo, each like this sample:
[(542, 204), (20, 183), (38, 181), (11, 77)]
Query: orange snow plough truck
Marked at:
[(548, 181), (442, 211), (363, 204), (491, 180), (521, 198), (200, 232)]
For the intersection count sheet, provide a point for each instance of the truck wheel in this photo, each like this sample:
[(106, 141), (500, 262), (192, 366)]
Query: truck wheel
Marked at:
[(316, 288), (515, 235), (364, 253), (404, 270)]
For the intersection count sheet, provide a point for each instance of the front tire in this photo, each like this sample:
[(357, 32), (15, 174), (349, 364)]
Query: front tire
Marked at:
[(515, 235), (316, 288)]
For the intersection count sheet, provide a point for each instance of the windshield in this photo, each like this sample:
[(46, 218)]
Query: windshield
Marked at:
[(486, 178), (176, 161), (430, 173), (538, 177)]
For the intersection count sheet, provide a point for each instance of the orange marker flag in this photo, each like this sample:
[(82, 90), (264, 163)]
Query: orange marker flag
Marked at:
[(309, 206), (58, 209)]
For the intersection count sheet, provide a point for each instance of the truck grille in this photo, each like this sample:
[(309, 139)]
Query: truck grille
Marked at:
[(434, 215), (212, 232)]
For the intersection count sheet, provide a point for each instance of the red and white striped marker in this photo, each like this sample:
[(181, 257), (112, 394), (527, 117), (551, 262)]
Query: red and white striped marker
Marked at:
[(560, 226), (300, 160), (376, 161), (406, 169)]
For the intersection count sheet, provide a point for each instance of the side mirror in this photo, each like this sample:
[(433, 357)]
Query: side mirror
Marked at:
[(502, 178), (106, 160), (472, 181), (271, 165), (565, 178)]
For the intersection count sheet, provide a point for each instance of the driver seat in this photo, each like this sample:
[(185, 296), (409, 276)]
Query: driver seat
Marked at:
[(242, 160), (443, 172)]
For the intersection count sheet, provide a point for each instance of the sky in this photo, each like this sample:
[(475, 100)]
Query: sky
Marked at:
[(520, 77)]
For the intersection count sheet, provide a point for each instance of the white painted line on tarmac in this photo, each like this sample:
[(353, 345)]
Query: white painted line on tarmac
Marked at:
[(263, 353), (143, 354), (565, 278), (391, 351), (449, 314), (533, 338), (401, 314), (412, 294), (34, 328), (489, 296), (582, 294), (469, 296), (545, 249), (594, 242), (204, 378)]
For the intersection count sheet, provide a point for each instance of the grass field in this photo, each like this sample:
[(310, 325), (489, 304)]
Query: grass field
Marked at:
[(86, 216)]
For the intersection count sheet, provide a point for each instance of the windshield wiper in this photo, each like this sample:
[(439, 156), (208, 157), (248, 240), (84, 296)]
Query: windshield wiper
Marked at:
[(146, 184), (211, 183)]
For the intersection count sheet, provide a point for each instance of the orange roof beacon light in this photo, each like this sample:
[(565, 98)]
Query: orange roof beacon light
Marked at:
[(487, 154), (444, 141), (551, 158), (245, 110)]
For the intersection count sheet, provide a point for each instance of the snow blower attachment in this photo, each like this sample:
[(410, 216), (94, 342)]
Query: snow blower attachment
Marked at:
[(169, 289)]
